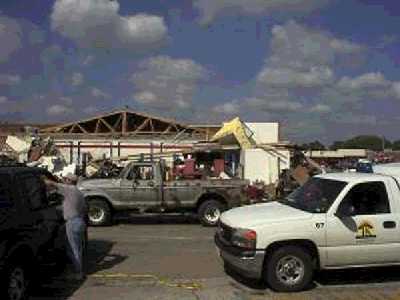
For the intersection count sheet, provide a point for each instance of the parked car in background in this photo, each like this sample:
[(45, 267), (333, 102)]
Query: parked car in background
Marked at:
[(143, 187), (31, 228)]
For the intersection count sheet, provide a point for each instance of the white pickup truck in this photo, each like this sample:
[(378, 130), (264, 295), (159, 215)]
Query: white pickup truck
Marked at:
[(334, 221)]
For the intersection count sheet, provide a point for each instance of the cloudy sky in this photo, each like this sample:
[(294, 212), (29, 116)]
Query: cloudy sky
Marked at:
[(325, 69)]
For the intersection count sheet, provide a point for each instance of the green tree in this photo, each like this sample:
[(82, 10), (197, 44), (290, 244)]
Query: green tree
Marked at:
[(371, 142), (316, 145), (396, 145), (337, 145)]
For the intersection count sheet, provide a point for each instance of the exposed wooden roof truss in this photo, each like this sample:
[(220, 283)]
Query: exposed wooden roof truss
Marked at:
[(122, 123)]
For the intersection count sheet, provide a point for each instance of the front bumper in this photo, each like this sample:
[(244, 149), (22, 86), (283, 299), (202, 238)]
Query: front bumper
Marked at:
[(247, 263)]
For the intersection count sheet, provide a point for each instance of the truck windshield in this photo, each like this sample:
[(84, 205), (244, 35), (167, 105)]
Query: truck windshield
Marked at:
[(316, 195)]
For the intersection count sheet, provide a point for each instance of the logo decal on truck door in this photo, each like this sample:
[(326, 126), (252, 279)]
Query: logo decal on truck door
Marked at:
[(319, 225), (365, 231)]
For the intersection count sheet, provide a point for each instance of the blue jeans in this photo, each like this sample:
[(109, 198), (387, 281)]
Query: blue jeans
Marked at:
[(76, 229)]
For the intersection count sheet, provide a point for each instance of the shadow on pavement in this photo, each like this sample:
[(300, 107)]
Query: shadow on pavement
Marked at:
[(53, 283), (359, 276), (329, 278), (156, 219), (248, 282)]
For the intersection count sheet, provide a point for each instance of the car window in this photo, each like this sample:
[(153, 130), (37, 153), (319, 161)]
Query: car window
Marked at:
[(316, 195), (369, 198), (5, 191), (141, 173), (33, 191)]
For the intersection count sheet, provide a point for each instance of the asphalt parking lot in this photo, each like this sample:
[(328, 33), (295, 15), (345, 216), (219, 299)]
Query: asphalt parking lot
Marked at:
[(175, 258)]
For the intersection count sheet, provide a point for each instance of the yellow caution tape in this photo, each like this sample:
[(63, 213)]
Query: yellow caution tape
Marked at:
[(165, 282)]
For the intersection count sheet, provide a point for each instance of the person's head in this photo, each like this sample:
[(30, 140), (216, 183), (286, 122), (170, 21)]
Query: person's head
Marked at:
[(71, 179)]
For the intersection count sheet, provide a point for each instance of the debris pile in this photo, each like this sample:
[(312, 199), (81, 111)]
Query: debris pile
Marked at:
[(103, 169), (37, 152)]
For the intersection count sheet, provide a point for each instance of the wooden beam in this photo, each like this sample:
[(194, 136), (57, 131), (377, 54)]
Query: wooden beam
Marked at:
[(81, 128), (124, 123), (72, 128), (117, 122), (143, 125), (97, 126), (168, 129), (151, 125), (107, 125)]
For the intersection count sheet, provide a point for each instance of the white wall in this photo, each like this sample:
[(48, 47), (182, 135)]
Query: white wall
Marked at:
[(340, 153), (262, 165), (265, 133)]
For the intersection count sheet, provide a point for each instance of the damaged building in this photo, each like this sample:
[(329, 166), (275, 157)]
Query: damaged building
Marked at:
[(122, 133)]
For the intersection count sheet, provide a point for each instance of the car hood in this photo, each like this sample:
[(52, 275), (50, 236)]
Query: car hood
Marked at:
[(253, 215), (97, 183)]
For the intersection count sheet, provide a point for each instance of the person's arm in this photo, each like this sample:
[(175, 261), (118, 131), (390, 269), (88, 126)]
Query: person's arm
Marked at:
[(53, 185), (49, 183)]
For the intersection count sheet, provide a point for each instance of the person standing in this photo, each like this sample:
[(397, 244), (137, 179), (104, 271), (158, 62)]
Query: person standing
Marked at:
[(75, 213)]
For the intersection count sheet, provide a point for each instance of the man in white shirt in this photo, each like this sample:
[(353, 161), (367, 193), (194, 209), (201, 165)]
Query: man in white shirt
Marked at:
[(74, 212)]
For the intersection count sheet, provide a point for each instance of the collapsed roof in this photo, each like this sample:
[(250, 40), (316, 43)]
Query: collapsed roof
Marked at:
[(123, 123)]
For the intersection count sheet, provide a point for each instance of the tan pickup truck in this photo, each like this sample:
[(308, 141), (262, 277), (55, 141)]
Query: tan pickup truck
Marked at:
[(142, 187)]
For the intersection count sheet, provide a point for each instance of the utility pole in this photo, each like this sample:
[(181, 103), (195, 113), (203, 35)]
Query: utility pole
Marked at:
[(383, 143)]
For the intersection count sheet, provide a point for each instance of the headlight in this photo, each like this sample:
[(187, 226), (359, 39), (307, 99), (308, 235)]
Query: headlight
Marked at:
[(244, 238)]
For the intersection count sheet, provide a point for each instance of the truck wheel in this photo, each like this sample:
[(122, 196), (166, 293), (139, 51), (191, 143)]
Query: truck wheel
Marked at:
[(99, 213), (210, 211), (289, 269), (15, 283)]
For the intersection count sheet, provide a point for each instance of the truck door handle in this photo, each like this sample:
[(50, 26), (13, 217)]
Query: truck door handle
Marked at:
[(389, 224)]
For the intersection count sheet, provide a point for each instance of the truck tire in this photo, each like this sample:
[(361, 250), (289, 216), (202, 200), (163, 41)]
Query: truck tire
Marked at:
[(99, 213), (289, 269), (15, 281), (210, 211)]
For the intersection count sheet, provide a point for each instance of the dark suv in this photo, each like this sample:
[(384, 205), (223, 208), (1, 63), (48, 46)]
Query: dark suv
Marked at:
[(31, 228)]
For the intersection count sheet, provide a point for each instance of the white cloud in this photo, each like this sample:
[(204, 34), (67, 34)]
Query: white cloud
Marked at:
[(299, 47), (273, 105), (210, 9), (297, 84), (95, 92), (353, 119), (66, 100), (343, 46), (365, 81), (3, 99), (91, 110), (229, 108), (146, 98), (396, 89), (290, 78), (370, 86), (10, 37), (97, 23), (88, 60), (77, 79), (58, 109), (164, 82), (320, 108), (8, 79)]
